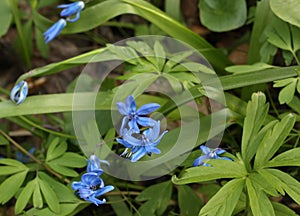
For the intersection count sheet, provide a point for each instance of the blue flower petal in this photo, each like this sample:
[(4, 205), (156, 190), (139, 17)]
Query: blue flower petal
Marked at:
[(78, 185), (199, 160), (54, 30), (147, 109), (123, 109), (219, 151), (71, 9), (19, 92), (205, 149), (133, 126), (91, 179), (104, 190), (132, 140), (145, 121), (130, 103), (138, 154)]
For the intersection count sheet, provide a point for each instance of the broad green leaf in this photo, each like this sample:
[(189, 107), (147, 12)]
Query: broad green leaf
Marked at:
[(24, 197), (219, 169), (189, 202), (287, 158), (5, 17), (120, 208), (50, 196), (282, 210), (223, 15), (155, 204), (283, 82), (260, 183), (11, 185), (259, 202), (237, 69), (272, 180), (175, 83), (288, 183), (62, 169), (224, 202), (256, 113), (289, 11), (37, 195), (56, 148), (66, 209), (71, 159), (64, 193), (287, 93), (273, 140), (11, 166)]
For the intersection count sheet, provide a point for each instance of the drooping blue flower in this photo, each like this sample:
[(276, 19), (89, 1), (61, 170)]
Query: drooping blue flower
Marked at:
[(209, 154), (94, 164), (90, 187), (71, 9), (133, 117), (19, 92), (137, 145), (54, 30)]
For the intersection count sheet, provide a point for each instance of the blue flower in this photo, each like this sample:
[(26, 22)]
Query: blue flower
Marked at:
[(19, 92), (94, 164), (134, 117), (209, 154), (90, 187), (71, 9), (54, 30), (140, 144), (24, 158)]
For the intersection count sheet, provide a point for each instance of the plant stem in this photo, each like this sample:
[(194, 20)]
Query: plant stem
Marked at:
[(34, 158)]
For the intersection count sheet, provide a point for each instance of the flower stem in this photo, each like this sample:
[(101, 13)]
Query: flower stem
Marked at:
[(34, 158)]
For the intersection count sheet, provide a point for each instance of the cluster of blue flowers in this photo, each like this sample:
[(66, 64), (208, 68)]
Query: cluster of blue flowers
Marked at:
[(209, 154), (91, 185), (69, 10), (137, 142)]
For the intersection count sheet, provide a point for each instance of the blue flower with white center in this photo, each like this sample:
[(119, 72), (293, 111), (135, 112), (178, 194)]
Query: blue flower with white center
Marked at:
[(209, 154), (71, 9), (133, 117), (94, 164), (19, 92), (141, 144), (90, 187), (54, 30)]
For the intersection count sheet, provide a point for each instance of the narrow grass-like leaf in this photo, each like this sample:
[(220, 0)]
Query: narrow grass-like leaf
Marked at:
[(259, 201), (273, 140), (24, 197), (224, 202), (5, 17)]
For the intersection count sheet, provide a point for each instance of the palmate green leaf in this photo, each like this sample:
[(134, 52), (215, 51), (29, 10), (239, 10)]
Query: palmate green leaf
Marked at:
[(219, 169), (189, 202), (223, 15), (56, 149), (287, 93), (11, 166), (259, 201), (256, 113), (24, 196), (288, 183), (224, 202), (5, 17), (282, 210), (273, 140), (155, 204), (289, 11), (11, 185), (287, 158), (49, 196)]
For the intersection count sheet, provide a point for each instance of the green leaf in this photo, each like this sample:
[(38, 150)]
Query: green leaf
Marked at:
[(224, 202), (283, 82), (155, 204), (287, 93), (37, 195), (273, 140), (289, 11), (120, 208), (259, 202), (56, 149), (62, 169), (287, 158), (5, 17), (260, 182), (256, 113), (288, 183), (11, 166), (219, 169), (189, 202), (272, 180), (11, 185), (237, 69), (24, 197), (223, 15), (282, 210), (71, 159), (50, 196)]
